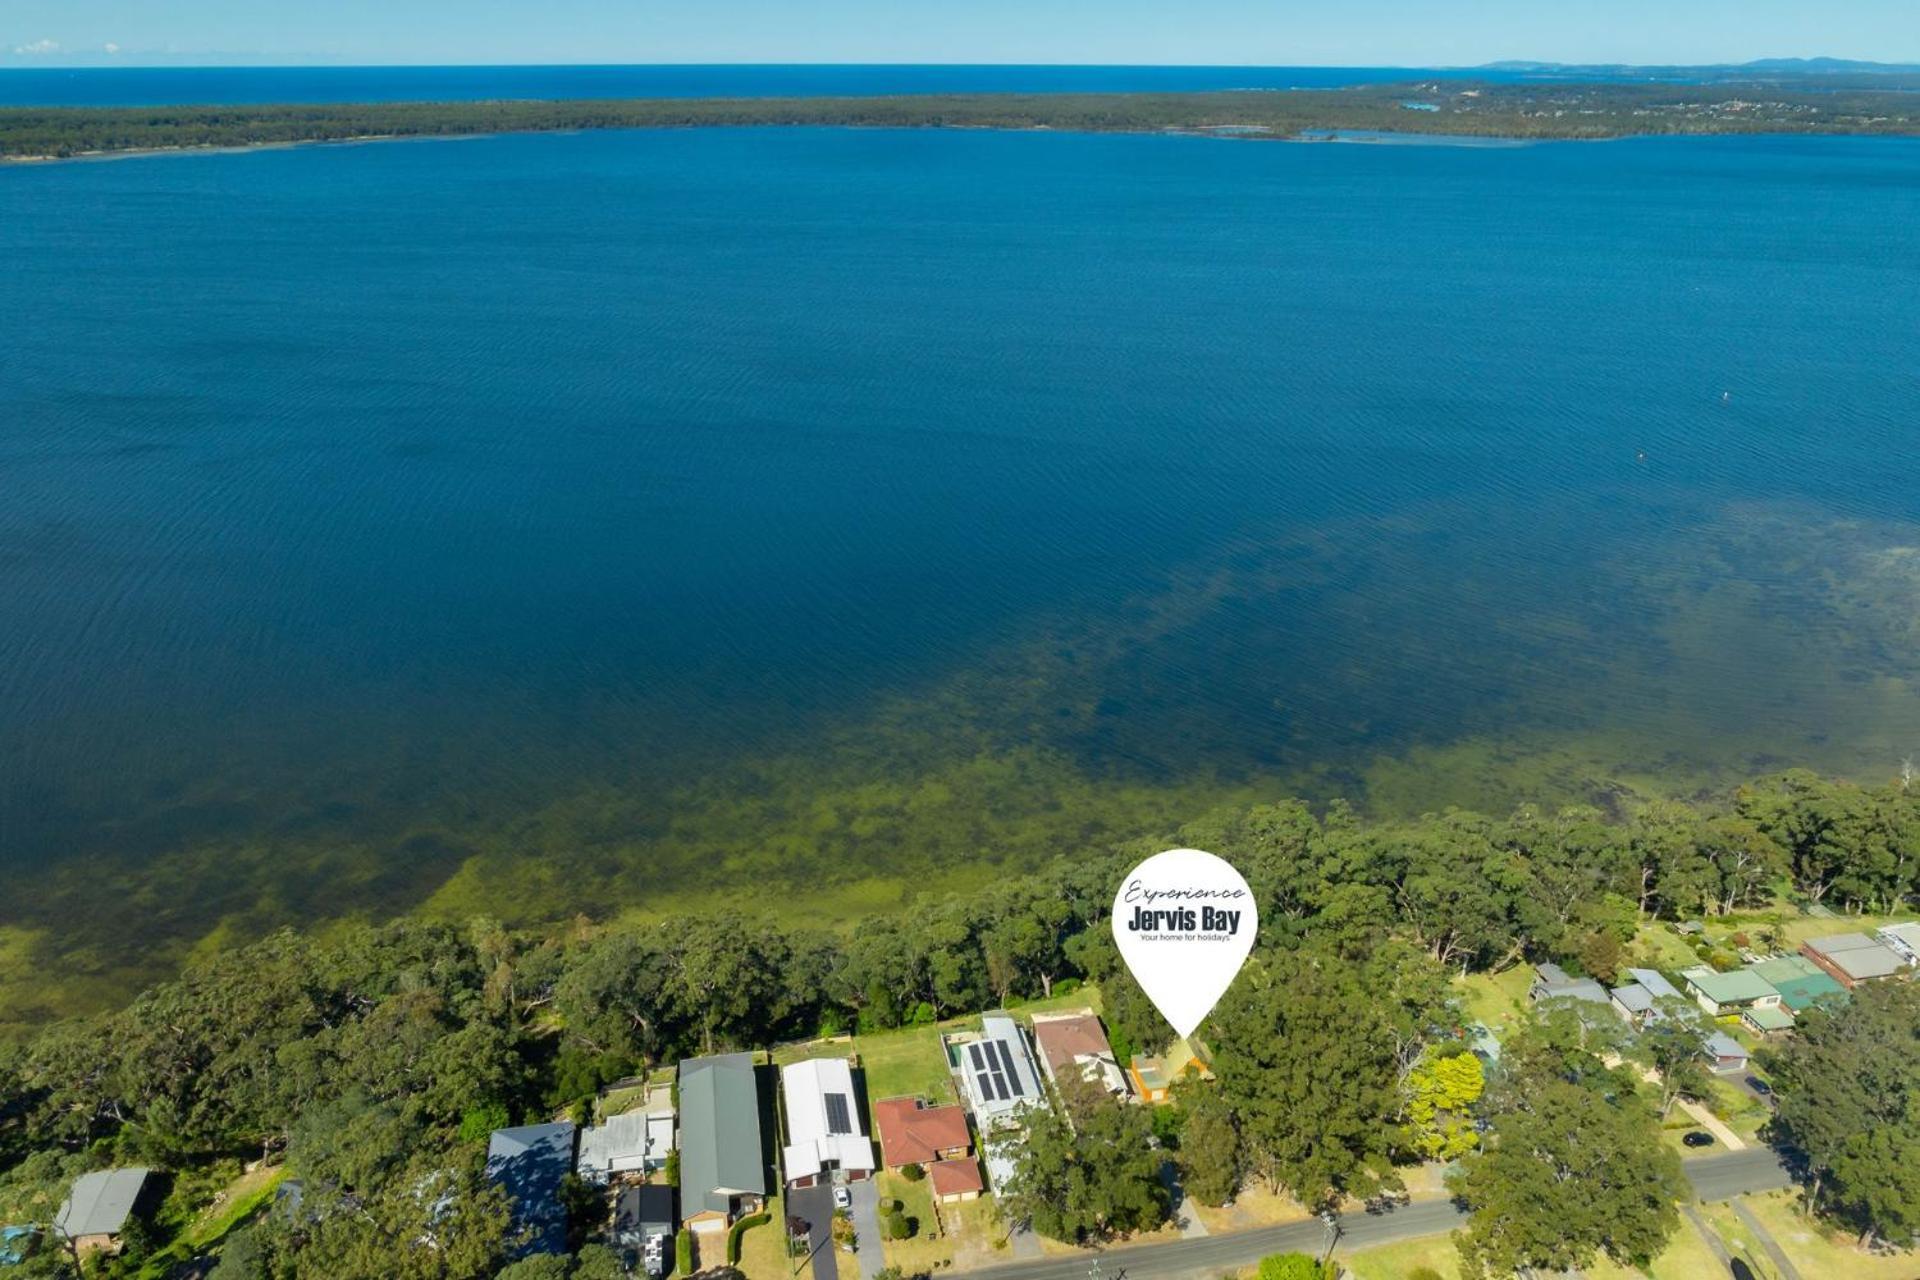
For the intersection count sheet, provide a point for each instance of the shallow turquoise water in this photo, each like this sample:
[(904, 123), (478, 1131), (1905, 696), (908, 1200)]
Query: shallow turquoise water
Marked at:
[(355, 492)]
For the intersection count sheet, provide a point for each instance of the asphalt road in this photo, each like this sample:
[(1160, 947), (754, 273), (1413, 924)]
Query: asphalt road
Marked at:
[(1713, 1177), (815, 1204), (1737, 1172)]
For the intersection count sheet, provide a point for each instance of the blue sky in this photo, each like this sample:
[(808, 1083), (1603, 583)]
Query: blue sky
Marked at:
[(1263, 32)]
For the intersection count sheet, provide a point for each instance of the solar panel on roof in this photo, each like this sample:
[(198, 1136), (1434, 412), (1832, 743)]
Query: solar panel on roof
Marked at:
[(973, 1052), (1013, 1077), (838, 1118), (985, 1083)]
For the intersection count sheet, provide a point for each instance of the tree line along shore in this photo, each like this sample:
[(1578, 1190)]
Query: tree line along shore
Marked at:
[(374, 1060), (1473, 109)]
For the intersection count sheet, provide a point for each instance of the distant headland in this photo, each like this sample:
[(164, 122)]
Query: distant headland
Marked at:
[(1843, 99)]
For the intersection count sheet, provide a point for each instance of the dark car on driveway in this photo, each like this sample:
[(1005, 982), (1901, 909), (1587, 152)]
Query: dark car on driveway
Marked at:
[(1697, 1139)]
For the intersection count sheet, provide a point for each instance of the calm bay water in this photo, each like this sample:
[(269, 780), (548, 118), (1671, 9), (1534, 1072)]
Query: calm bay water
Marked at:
[(537, 524)]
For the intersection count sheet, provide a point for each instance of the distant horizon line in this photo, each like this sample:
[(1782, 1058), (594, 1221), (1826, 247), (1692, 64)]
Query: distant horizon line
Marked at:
[(111, 63)]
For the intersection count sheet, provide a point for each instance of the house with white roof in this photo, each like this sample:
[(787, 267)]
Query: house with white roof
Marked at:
[(1001, 1081), (1903, 938), (637, 1142), (824, 1139)]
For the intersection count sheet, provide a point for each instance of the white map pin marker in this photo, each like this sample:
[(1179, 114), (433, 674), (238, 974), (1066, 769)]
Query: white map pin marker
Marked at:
[(1184, 921)]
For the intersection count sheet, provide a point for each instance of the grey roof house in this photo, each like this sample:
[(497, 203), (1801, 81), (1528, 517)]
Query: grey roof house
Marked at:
[(98, 1206), (636, 1142), (1639, 1001), (641, 1215), (722, 1171), (528, 1163), (1552, 983)]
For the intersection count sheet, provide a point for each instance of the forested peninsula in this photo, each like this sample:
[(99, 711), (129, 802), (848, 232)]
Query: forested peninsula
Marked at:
[(1460, 108), (372, 1061)]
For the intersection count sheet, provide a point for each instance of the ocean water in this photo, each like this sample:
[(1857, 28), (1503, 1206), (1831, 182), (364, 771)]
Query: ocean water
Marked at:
[(540, 524), (146, 86)]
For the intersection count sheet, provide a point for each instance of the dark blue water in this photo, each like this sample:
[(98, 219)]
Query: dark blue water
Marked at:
[(827, 504), (141, 86)]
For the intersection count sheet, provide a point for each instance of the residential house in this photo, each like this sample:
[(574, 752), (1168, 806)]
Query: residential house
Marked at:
[(643, 1225), (1000, 1080), (1550, 982), (1903, 938), (1800, 982), (1639, 1001), (1766, 1020), (636, 1142), (911, 1132), (953, 1181), (824, 1140), (1075, 1045), (529, 1164), (722, 1173), (1853, 958), (97, 1208), (1726, 994), (1154, 1076), (1727, 1055)]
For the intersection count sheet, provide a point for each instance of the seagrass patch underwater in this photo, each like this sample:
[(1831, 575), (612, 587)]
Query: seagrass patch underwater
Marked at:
[(538, 525)]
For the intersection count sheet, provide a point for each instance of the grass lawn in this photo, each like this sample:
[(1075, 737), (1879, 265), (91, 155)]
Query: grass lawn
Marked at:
[(1662, 949), (909, 1060), (1687, 1257), (1397, 1261), (620, 1101), (763, 1252), (928, 1247), (1812, 1247), (1742, 1112), (1495, 998), (1257, 1205), (238, 1201)]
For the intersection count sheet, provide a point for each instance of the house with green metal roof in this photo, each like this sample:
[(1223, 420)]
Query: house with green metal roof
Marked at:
[(1722, 994), (723, 1172), (1765, 1019), (1800, 982)]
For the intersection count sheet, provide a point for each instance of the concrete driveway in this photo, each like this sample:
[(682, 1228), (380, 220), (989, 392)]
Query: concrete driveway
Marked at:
[(866, 1228), (815, 1204)]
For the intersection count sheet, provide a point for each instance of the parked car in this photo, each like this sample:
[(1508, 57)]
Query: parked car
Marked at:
[(1759, 1086), (842, 1198), (1698, 1138)]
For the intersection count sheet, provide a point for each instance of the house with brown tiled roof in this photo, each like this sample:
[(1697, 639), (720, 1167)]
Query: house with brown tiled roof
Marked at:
[(1075, 1045), (955, 1180), (911, 1132)]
